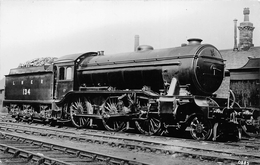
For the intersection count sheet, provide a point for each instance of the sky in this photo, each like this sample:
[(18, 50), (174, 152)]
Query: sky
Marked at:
[(31, 29)]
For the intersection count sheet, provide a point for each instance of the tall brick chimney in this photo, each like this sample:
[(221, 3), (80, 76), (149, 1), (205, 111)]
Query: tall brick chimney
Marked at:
[(246, 32)]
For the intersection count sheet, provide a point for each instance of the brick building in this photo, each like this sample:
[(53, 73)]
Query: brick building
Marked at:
[(2, 84), (243, 62)]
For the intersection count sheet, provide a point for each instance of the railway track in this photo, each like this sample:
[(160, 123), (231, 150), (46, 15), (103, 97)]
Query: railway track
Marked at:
[(36, 152), (111, 155), (183, 149), (43, 152)]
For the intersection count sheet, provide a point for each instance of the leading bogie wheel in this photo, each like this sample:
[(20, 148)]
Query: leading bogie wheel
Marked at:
[(200, 128), (80, 106)]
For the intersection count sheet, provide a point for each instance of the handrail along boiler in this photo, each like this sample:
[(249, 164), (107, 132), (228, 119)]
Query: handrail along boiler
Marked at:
[(154, 90)]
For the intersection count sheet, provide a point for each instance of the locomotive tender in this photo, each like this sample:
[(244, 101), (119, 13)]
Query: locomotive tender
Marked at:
[(153, 90)]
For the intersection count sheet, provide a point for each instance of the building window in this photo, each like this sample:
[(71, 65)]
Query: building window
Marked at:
[(13, 83), (22, 82), (41, 81), (31, 81)]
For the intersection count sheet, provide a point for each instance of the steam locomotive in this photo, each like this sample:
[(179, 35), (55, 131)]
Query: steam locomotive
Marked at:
[(153, 90)]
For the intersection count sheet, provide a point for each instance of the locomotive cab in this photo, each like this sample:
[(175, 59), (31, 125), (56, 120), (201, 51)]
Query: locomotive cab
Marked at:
[(65, 73), (64, 79)]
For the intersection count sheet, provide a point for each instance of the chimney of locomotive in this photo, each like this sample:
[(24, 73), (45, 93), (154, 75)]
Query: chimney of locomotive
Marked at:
[(136, 44), (194, 41), (235, 35)]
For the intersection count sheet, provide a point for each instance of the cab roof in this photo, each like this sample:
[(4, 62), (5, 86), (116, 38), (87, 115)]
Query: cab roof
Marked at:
[(68, 58)]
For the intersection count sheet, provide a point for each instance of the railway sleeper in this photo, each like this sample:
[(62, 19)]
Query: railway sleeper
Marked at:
[(26, 147), (6, 156), (51, 152), (73, 159), (63, 157), (16, 161), (38, 157), (41, 150), (9, 142)]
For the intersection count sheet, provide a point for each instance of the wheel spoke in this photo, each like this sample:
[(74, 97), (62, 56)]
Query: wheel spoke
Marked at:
[(195, 121), (80, 122), (204, 133), (154, 124), (193, 125), (156, 121), (151, 126), (116, 125), (107, 108)]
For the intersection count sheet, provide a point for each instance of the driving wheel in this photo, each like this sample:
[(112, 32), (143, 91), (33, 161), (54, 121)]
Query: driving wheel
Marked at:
[(111, 107), (149, 124), (79, 107)]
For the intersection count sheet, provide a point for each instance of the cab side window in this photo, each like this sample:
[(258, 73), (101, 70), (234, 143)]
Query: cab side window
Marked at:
[(62, 73), (69, 73)]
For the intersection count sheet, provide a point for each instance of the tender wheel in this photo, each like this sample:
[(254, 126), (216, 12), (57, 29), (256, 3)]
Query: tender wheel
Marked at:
[(79, 107), (112, 106), (149, 124), (200, 128)]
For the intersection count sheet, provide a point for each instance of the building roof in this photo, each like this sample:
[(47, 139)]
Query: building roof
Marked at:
[(250, 71), (253, 63), (237, 59)]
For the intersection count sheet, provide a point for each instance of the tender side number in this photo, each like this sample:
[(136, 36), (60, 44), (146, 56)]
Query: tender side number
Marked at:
[(26, 91)]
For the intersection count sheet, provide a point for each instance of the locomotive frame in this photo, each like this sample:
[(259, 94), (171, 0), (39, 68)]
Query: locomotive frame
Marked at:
[(154, 90)]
